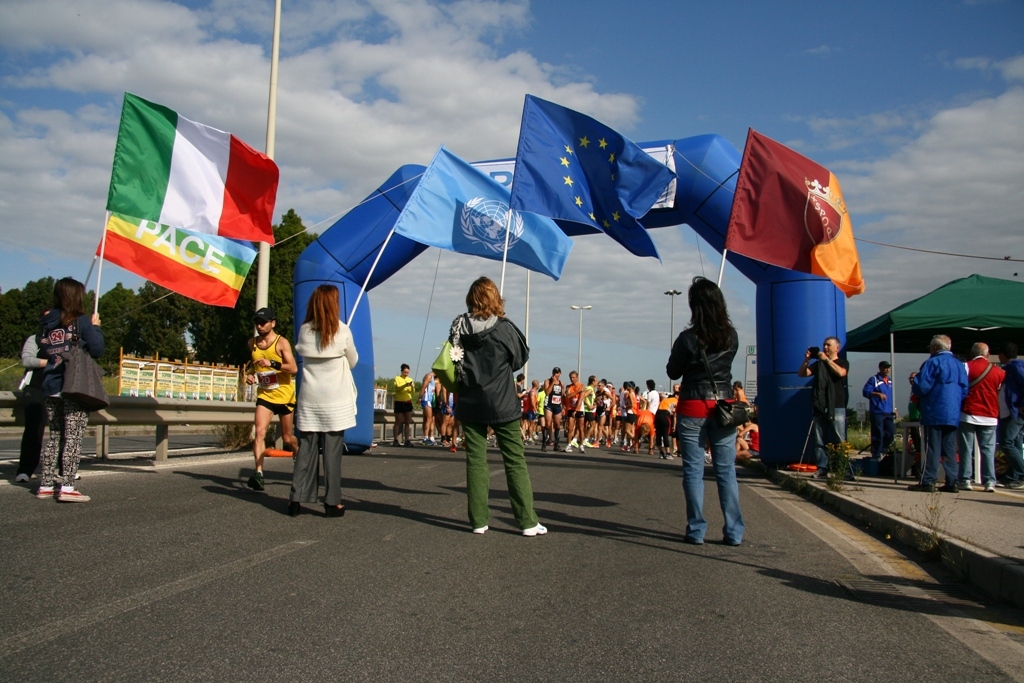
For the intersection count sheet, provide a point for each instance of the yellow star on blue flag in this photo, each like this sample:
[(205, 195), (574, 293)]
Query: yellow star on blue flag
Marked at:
[(592, 195)]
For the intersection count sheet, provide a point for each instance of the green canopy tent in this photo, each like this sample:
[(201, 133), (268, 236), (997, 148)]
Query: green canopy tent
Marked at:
[(971, 309)]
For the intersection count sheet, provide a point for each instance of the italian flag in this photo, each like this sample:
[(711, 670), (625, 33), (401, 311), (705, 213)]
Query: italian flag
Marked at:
[(173, 171)]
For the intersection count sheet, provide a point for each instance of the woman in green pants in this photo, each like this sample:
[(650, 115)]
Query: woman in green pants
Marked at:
[(487, 349)]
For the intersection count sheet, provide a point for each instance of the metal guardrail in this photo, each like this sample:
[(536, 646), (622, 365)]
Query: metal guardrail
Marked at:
[(159, 412)]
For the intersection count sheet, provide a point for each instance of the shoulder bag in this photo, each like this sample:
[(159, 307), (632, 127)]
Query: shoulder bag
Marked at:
[(83, 380), (727, 413)]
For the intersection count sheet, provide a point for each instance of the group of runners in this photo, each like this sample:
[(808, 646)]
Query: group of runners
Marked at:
[(593, 415), (596, 414)]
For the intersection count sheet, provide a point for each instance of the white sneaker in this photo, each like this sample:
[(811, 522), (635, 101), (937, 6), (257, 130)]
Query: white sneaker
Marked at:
[(21, 478), (966, 486), (990, 487), (480, 530), (538, 530), (568, 449)]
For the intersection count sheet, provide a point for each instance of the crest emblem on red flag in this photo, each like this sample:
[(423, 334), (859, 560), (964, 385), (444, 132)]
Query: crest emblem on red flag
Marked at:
[(823, 213)]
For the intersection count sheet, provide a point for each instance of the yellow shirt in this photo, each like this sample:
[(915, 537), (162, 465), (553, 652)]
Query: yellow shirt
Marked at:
[(404, 389), (274, 386)]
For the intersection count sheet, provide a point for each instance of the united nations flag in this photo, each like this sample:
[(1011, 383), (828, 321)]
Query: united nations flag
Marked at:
[(458, 208)]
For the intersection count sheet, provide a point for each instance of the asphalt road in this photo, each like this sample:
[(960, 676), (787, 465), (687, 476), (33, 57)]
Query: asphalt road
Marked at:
[(182, 574)]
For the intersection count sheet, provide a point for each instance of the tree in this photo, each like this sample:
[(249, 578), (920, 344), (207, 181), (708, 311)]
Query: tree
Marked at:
[(117, 308), (220, 334), (158, 324), (20, 313)]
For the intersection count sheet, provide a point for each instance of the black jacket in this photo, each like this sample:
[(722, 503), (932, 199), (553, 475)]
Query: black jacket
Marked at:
[(685, 361), (493, 350)]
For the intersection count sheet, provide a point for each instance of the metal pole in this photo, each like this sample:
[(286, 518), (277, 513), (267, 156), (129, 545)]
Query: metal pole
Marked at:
[(263, 265), (579, 349), (672, 294)]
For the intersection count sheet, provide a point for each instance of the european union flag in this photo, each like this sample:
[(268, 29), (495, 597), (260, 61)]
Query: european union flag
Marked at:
[(458, 208), (571, 167)]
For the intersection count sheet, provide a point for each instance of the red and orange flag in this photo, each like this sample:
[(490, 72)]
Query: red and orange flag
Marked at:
[(789, 211)]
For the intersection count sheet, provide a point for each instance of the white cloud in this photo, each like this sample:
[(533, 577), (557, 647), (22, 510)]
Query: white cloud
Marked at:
[(956, 188), (350, 109)]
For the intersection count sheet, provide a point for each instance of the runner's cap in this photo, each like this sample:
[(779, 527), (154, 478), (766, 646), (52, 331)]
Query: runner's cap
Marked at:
[(265, 313)]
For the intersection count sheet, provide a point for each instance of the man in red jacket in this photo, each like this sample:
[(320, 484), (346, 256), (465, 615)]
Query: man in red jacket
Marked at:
[(979, 417)]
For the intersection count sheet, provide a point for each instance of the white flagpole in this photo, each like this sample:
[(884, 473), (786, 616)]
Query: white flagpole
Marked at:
[(99, 271), (526, 368), (504, 256), (263, 265), (721, 269), (368, 276), (88, 276)]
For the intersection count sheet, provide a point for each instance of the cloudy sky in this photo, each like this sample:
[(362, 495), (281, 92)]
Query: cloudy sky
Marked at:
[(917, 107)]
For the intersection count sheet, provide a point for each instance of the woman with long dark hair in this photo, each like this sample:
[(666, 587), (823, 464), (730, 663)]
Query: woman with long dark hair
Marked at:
[(488, 349), (326, 403), (708, 345), (63, 327)]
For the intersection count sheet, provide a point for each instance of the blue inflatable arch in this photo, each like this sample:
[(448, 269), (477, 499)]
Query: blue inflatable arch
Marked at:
[(794, 310)]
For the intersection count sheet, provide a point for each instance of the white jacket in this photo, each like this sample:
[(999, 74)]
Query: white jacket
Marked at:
[(327, 392)]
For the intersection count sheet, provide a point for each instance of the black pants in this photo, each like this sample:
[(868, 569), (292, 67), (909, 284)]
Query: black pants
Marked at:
[(662, 423), (35, 425)]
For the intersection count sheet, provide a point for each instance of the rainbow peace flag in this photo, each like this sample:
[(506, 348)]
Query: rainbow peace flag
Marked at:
[(204, 267)]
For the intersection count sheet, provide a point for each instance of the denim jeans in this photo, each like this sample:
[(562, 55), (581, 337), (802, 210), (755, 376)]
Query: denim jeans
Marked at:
[(693, 433), (986, 436), (883, 431), (1012, 429), (940, 442), (828, 431)]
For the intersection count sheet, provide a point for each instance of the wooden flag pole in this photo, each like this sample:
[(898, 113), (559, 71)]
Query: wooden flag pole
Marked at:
[(99, 271), (504, 256)]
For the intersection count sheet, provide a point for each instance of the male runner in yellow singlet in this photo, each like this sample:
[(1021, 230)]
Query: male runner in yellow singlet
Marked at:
[(271, 369)]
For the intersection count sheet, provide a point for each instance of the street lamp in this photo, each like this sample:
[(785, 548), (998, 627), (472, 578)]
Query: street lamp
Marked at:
[(579, 350), (672, 294)]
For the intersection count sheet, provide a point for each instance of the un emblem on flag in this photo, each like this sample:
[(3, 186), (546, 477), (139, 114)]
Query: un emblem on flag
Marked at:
[(823, 213), (483, 221)]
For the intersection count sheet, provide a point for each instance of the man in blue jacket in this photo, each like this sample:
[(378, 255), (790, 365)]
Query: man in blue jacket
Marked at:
[(1012, 426), (878, 390), (941, 387)]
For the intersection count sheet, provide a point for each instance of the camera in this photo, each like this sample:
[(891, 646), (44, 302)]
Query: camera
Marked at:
[(815, 350)]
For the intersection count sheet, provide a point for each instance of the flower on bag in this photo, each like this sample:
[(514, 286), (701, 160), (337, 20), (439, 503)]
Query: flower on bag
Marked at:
[(457, 354)]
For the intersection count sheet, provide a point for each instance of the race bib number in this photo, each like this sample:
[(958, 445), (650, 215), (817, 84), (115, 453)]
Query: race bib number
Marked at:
[(267, 380), (556, 400)]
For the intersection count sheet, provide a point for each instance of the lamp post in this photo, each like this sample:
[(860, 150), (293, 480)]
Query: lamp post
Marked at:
[(579, 350), (672, 294)]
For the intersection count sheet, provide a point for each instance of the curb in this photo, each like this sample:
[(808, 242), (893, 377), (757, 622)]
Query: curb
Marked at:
[(999, 577)]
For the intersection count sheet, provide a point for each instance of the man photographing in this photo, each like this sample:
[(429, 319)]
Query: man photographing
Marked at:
[(828, 396)]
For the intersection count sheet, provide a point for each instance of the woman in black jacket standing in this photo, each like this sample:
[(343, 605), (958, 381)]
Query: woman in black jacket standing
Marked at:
[(64, 326), (710, 342), (487, 349)]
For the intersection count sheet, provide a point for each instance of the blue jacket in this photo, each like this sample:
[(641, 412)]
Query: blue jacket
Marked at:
[(941, 385), (1013, 386), (55, 339), (879, 405)]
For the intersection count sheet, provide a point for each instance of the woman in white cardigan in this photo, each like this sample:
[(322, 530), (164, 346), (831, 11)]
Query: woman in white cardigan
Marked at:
[(326, 403)]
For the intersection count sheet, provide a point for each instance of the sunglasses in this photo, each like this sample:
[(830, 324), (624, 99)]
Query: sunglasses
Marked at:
[(262, 322)]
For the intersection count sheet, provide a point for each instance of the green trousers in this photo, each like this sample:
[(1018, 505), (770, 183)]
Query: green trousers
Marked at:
[(478, 476)]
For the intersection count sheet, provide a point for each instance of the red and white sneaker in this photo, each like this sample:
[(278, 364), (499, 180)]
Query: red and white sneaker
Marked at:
[(72, 496), (44, 492)]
